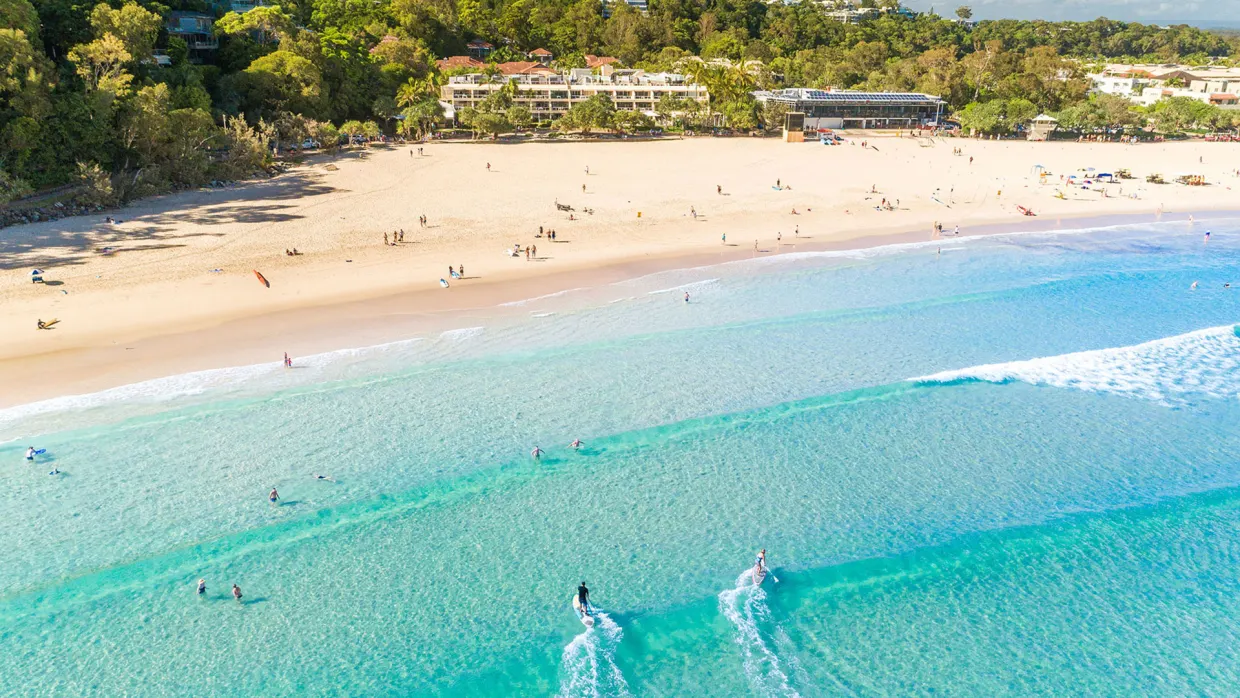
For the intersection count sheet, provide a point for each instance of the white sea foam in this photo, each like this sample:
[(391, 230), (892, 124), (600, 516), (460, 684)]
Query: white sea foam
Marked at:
[(685, 287), (1204, 363), (461, 333), (744, 606), (588, 664), (183, 385), (543, 297)]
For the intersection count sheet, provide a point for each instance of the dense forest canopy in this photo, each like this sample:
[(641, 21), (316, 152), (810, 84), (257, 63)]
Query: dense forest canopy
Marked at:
[(101, 92)]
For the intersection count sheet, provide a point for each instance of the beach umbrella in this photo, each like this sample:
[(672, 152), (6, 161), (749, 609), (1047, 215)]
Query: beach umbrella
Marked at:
[(36, 272)]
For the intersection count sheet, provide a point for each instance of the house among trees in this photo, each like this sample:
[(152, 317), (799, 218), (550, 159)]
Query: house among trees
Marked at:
[(479, 49), (541, 55), (195, 28)]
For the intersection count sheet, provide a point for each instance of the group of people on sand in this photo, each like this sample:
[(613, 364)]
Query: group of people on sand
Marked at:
[(291, 253), (456, 273), (938, 230), (398, 236), (550, 234)]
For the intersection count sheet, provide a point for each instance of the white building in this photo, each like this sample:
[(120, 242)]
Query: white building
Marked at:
[(549, 94), (1124, 84), (1226, 100)]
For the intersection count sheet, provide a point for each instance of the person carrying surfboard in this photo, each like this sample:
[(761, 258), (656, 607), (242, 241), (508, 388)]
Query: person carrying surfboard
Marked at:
[(583, 598), (30, 453)]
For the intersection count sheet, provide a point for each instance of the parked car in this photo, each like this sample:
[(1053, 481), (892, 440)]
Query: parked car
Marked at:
[(310, 144)]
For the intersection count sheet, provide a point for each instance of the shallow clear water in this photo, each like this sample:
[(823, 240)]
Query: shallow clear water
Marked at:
[(1002, 467)]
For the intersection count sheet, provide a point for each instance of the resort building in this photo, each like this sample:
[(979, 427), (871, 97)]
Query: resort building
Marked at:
[(849, 109), (549, 94), (1146, 84)]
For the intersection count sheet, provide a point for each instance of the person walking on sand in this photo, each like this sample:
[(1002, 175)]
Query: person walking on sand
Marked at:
[(583, 189), (725, 238), (236, 593), (461, 270), (686, 296), (719, 189), (534, 251), (385, 239), (488, 167)]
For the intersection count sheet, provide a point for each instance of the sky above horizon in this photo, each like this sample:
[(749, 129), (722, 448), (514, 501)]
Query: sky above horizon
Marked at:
[(1217, 13)]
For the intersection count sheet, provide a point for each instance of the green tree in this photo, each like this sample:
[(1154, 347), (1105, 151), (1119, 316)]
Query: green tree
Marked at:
[(136, 27), (282, 81), (964, 12), (269, 22), (594, 112)]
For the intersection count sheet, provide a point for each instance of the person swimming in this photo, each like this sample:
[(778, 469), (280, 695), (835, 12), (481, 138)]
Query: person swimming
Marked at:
[(583, 598), (327, 478), (202, 587), (1193, 287)]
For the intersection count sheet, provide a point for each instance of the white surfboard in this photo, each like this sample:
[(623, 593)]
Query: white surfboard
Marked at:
[(586, 619), (759, 575)]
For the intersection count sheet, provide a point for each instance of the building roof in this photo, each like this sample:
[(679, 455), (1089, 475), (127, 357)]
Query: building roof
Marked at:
[(540, 52), (523, 68), (801, 94), (453, 62), (478, 43), (593, 61)]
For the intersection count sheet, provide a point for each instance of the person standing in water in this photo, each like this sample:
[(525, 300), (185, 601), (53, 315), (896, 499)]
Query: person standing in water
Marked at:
[(686, 296), (273, 496), (576, 444), (202, 587), (536, 453), (236, 593), (583, 598), (30, 453)]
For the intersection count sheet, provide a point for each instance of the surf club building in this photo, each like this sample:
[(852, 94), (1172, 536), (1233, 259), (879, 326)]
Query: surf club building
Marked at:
[(832, 109)]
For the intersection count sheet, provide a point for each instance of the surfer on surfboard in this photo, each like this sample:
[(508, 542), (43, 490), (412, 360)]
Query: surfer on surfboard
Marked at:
[(759, 567), (583, 599)]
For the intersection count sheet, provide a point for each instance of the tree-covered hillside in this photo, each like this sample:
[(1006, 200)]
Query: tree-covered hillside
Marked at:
[(105, 93)]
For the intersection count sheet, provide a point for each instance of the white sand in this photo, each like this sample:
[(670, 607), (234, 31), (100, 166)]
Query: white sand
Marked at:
[(159, 283)]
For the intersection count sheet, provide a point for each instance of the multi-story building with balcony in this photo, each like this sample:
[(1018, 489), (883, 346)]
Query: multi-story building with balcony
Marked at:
[(549, 94)]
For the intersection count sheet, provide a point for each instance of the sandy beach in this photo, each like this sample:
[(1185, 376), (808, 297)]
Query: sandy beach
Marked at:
[(171, 286)]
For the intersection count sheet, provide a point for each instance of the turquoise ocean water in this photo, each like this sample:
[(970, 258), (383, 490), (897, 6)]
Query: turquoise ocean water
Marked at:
[(994, 466)]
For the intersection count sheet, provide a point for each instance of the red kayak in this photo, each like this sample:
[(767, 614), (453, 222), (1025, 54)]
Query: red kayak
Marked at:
[(262, 279)]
